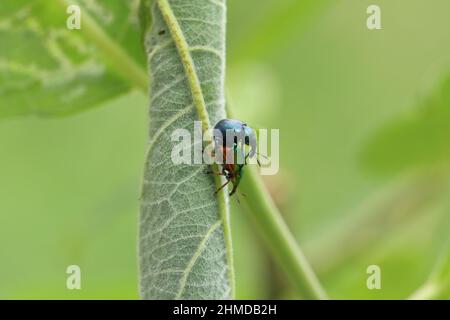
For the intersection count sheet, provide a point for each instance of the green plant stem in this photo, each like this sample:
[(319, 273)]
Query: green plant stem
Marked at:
[(279, 238)]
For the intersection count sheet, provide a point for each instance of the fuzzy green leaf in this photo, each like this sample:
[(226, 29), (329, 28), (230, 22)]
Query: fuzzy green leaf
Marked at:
[(48, 70), (184, 235), (421, 138)]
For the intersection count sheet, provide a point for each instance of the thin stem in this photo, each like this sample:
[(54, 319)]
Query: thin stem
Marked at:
[(279, 238)]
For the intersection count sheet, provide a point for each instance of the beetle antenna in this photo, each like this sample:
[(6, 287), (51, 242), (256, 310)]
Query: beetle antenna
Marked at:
[(237, 199), (261, 155), (265, 157)]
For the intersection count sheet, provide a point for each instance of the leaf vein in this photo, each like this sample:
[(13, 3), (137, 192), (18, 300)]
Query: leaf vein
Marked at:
[(206, 49), (194, 258)]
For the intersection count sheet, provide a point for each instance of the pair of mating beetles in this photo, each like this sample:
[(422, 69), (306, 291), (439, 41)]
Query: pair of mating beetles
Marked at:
[(230, 137)]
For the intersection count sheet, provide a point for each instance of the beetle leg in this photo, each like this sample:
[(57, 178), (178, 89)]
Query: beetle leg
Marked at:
[(245, 159), (237, 199), (223, 186), (215, 173), (233, 190)]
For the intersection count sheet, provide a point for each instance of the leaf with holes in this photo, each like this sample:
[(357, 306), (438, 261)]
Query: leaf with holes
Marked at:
[(48, 70), (185, 249)]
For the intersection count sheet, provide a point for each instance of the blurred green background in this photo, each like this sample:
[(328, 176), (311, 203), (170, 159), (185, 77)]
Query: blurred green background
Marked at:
[(364, 126)]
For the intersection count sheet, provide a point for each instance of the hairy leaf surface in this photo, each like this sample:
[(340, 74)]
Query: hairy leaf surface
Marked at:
[(183, 251)]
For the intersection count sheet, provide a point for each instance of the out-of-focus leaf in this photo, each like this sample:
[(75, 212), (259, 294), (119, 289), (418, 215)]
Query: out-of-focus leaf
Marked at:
[(274, 27), (397, 205), (418, 139), (145, 18), (438, 284), (183, 252), (48, 70), (442, 276)]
